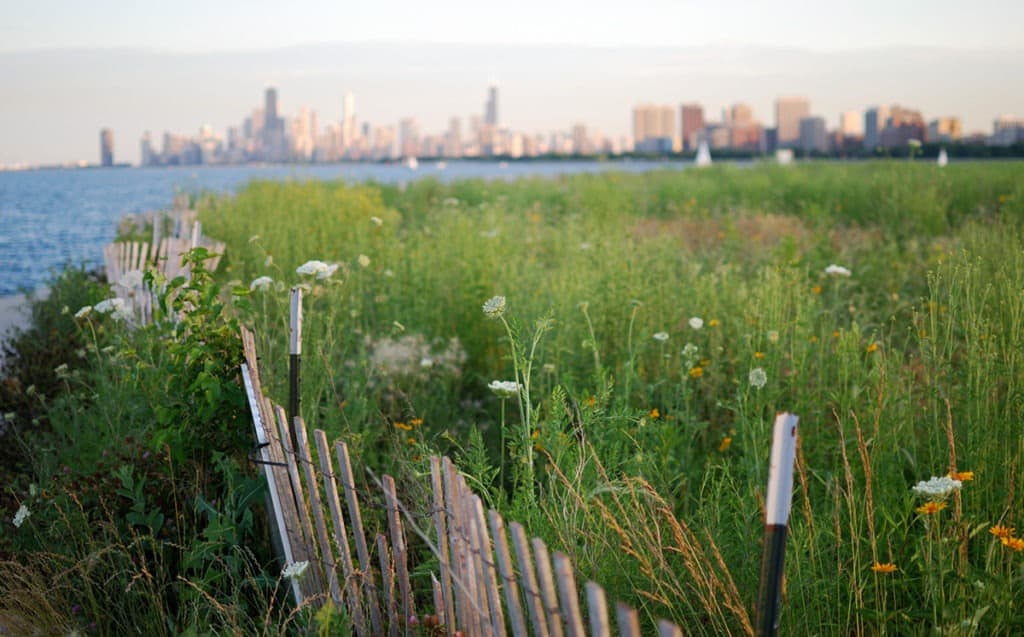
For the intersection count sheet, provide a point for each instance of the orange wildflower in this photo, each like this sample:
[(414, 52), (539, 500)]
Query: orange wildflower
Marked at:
[(872, 348), (962, 476), (929, 508), (1002, 532), (403, 426), (416, 422), (1013, 543), (722, 448), (816, 289), (696, 372), (879, 567), (655, 414)]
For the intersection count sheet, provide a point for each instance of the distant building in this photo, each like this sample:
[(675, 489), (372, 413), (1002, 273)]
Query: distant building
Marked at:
[(274, 147), (654, 128), (788, 113), (1007, 130), (692, 121), (851, 124), (491, 108), (874, 121), (106, 147), (944, 129), (902, 126), (813, 136), (147, 155), (744, 132)]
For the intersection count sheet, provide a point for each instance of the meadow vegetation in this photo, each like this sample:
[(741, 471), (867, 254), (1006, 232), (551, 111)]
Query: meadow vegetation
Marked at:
[(643, 331)]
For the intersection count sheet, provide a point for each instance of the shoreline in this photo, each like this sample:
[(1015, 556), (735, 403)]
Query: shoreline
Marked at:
[(14, 314)]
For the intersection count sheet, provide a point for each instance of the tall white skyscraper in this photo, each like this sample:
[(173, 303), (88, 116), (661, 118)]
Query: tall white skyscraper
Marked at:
[(349, 127)]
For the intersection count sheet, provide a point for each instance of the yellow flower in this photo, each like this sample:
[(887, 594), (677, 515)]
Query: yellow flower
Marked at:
[(962, 476), (1013, 543), (872, 348), (1002, 532), (696, 372), (535, 434), (835, 333), (879, 567), (655, 414), (814, 339), (722, 448), (758, 355), (403, 426), (929, 508), (714, 323), (416, 422), (816, 289), (704, 362), (410, 440)]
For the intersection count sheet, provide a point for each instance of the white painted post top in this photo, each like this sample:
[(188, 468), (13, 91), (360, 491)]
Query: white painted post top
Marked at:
[(780, 470), (296, 322)]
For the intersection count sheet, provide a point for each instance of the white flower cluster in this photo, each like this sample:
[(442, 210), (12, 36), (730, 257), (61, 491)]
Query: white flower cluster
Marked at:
[(937, 488), (19, 517), (494, 307), (319, 269), (696, 322), (661, 337), (757, 377), (295, 570), (504, 388), (837, 270), (261, 283), (131, 280), (115, 307)]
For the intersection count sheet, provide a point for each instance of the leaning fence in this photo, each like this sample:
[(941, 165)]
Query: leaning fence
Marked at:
[(491, 578)]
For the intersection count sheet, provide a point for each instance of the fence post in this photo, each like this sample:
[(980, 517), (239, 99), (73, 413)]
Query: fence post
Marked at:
[(777, 503), (295, 357)]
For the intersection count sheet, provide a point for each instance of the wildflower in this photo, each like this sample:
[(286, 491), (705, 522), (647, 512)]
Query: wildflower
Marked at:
[(937, 488), (837, 270), (724, 446), (661, 337), (377, 221), (403, 426), (319, 269), (549, 368), (696, 322), (757, 378), (61, 371), (696, 372), (1013, 543), (887, 567), (690, 351), (504, 388), (364, 261), (758, 355), (931, 507), (1002, 532), (835, 333), (962, 476), (19, 517), (816, 289), (773, 336), (872, 348), (714, 323), (410, 441), (295, 570), (655, 414), (494, 307), (261, 283), (415, 422), (268, 261), (116, 307)]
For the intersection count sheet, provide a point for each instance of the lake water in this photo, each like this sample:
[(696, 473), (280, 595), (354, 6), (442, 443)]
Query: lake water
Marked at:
[(52, 217)]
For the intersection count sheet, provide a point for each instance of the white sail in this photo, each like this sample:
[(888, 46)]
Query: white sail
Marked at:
[(943, 158), (703, 155), (411, 162)]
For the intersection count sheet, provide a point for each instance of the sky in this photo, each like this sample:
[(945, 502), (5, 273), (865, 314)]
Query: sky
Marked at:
[(69, 68)]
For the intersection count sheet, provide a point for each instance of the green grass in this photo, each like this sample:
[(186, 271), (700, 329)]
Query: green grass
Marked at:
[(645, 458)]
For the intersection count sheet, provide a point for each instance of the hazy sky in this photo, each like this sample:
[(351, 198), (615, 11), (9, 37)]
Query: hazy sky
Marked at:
[(68, 68)]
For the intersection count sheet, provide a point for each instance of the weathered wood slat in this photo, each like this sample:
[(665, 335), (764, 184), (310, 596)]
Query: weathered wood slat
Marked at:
[(508, 575), (388, 577), (305, 523), (568, 595), (356, 517), (305, 458), (531, 590), (488, 563), (597, 610), (445, 611), (475, 556), (628, 620), (398, 547), (668, 629), (465, 610), (351, 588), (549, 595)]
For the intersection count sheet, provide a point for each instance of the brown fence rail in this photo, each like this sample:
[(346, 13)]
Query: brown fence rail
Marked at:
[(485, 585)]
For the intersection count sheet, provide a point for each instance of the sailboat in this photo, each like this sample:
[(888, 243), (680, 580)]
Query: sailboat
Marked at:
[(411, 163), (943, 158), (703, 155)]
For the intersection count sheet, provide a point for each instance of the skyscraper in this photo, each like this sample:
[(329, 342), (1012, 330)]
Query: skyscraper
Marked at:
[(491, 108), (692, 116), (874, 121), (654, 128), (788, 113), (274, 148), (813, 137), (106, 147)]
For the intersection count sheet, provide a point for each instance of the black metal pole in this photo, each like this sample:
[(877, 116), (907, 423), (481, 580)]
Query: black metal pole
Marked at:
[(777, 505), (294, 361)]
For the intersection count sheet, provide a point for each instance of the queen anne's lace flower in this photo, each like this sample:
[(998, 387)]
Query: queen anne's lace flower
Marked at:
[(661, 337), (837, 270), (696, 322), (115, 307), (295, 570), (261, 283), (757, 378), (494, 307), (319, 269), (19, 517), (937, 488), (504, 388)]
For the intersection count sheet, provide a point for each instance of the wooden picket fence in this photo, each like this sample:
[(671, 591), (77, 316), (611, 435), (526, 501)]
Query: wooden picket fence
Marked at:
[(123, 259), (485, 584)]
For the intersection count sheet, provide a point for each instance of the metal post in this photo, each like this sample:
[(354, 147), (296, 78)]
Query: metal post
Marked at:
[(295, 359), (777, 505)]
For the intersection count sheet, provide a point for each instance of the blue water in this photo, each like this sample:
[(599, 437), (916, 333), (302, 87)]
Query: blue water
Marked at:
[(52, 217)]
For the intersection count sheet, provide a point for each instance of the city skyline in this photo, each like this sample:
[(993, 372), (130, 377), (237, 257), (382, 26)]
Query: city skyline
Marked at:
[(55, 102)]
